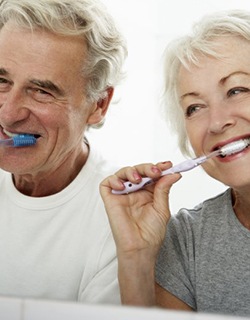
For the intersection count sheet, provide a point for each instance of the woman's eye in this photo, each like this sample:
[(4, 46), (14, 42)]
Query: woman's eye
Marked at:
[(235, 91), (191, 110)]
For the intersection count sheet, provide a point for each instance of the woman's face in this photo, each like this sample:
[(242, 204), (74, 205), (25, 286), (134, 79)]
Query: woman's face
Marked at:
[(215, 97)]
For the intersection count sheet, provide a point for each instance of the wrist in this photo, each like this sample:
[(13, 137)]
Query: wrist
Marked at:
[(137, 278)]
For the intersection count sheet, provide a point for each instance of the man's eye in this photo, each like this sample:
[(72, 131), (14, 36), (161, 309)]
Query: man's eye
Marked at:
[(41, 95), (235, 91), (42, 92), (191, 110), (4, 84)]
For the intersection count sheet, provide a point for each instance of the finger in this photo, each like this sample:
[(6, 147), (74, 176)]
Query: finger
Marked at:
[(135, 173), (105, 189), (112, 182), (164, 165), (161, 195)]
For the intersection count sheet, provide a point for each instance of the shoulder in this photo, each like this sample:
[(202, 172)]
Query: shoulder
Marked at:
[(98, 165), (94, 171), (4, 175), (211, 212)]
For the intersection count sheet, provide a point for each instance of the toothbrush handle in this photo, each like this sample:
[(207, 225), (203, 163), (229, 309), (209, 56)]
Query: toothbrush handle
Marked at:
[(6, 142), (132, 187), (185, 165), (181, 167)]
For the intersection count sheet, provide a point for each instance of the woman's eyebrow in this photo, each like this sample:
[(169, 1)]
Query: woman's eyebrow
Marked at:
[(233, 74), (47, 84), (194, 94)]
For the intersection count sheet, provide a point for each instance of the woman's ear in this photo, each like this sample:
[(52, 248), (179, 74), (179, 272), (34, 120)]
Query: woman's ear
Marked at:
[(101, 107)]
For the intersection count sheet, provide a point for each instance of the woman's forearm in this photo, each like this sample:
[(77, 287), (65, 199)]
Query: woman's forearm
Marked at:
[(136, 280)]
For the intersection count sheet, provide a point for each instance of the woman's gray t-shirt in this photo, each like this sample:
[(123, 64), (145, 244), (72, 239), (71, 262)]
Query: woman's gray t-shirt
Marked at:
[(205, 258)]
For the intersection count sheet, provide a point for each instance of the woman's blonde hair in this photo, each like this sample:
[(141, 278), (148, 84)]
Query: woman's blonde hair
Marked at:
[(184, 51)]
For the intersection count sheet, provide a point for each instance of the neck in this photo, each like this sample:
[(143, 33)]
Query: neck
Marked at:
[(241, 206), (46, 183)]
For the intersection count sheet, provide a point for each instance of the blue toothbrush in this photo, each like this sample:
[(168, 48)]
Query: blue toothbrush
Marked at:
[(20, 140)]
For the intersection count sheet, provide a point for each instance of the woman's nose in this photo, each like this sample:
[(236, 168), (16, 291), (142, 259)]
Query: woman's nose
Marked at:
[(12, 108), (220, 119)]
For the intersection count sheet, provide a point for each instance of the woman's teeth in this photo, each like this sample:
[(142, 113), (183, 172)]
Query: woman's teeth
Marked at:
[(234, 147)]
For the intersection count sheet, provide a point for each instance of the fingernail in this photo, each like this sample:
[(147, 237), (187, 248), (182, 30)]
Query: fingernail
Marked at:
[(136, 176), (155, 169), (121, 184)]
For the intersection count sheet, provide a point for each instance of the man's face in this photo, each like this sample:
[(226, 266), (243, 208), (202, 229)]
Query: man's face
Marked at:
[(41, 93)]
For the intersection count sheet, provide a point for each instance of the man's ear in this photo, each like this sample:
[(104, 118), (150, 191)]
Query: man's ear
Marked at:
[(101, 108)]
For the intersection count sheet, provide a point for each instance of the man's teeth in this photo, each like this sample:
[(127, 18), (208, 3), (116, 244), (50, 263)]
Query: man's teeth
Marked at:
[(10, 134)]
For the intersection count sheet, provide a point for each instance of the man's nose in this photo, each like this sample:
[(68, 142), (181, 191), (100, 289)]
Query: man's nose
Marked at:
[(12, 108)]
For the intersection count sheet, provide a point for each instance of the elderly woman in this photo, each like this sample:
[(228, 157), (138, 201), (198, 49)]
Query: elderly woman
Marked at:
[(199, 258)]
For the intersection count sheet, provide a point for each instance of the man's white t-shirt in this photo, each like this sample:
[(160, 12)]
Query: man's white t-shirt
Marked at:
[(58, 247)]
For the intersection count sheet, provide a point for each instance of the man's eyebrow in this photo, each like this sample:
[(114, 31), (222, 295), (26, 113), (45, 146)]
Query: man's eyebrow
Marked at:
[(47, 84)]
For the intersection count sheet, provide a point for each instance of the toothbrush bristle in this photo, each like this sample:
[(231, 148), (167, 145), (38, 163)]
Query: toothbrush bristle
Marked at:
[(234, 147), (24, 140)]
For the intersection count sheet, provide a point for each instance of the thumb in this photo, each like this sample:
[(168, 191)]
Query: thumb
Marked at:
[(161, 195)]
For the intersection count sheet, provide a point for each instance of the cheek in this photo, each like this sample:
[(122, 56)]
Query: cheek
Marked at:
[(58, 117), (77, 121), (245, 111), (196, 133), (49, 113)]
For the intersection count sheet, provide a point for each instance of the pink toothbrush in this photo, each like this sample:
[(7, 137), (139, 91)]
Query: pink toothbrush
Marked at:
[(187, 165)]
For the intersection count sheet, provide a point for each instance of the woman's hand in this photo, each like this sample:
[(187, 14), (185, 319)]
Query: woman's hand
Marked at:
[(138, 220)]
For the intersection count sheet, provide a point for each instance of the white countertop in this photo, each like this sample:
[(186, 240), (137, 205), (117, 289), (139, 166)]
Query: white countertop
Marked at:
[(26, 309)]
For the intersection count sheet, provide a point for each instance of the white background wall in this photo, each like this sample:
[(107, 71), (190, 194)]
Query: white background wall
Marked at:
[(134, 131)]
